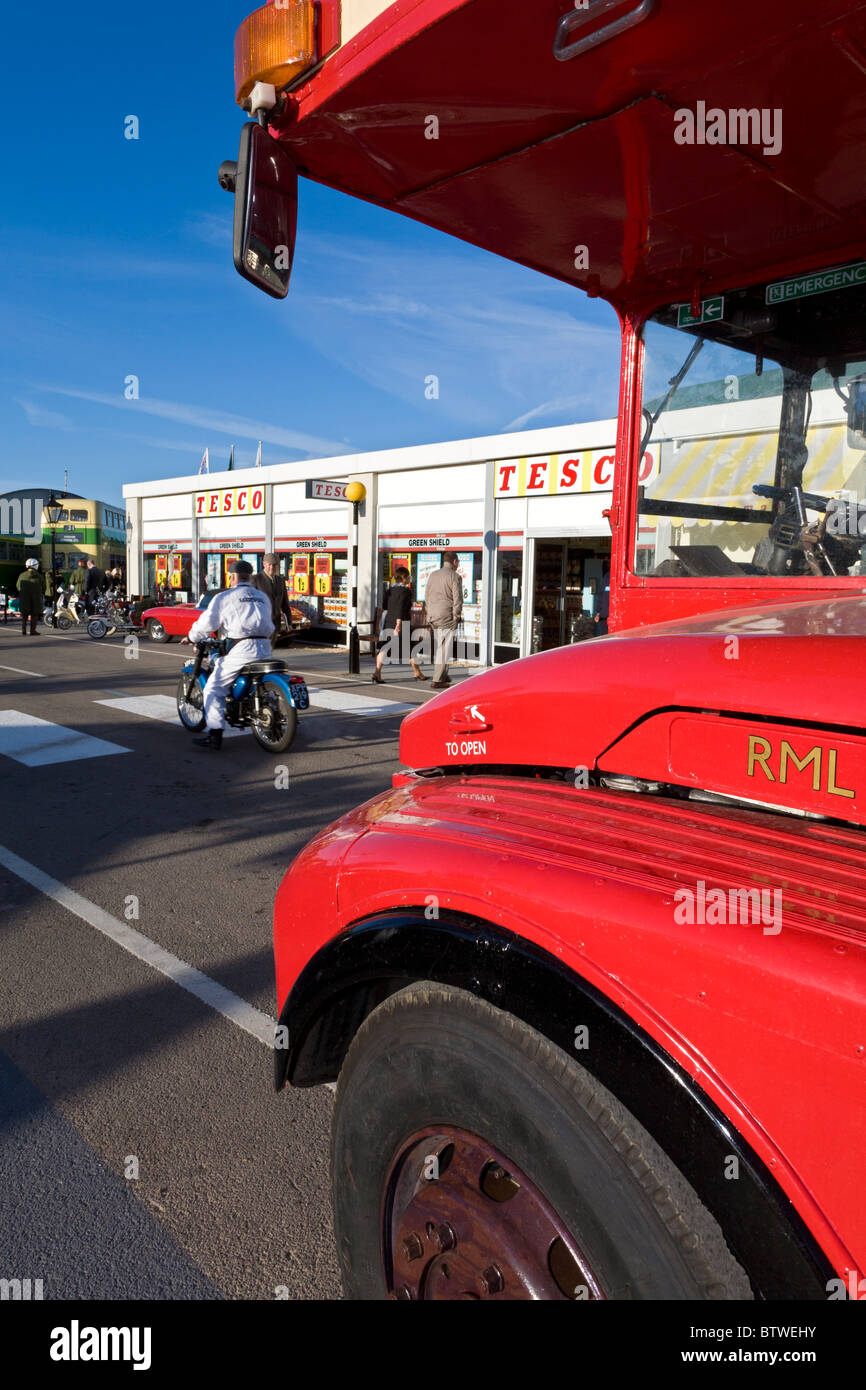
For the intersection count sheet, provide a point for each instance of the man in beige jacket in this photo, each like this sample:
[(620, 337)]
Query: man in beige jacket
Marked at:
[(443, 600)]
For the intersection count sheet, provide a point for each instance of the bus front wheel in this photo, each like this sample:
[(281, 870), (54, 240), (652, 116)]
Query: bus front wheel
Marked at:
[(473, 1159)]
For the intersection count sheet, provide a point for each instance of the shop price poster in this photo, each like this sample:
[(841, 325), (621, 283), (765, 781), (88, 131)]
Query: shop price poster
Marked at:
[(322, 574), (425, 565), (466, 570), (301, 573), (213, 571)]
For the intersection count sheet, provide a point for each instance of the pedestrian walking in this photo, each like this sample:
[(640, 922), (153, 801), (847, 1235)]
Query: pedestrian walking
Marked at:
[(398, 609), (31, 594), (443, 600), (272, 584)]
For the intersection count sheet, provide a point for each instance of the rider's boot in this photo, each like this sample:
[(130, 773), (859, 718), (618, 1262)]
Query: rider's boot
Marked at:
[(212, 739)]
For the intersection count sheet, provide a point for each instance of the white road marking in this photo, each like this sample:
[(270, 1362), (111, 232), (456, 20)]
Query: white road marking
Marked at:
[(345, 702), (36, 742), (155, 707), (21, 672), (209, 991)]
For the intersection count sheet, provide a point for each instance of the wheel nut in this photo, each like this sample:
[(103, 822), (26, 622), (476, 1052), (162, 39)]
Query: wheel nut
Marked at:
[(443, 1237), (413, 1247), (491, 1280)]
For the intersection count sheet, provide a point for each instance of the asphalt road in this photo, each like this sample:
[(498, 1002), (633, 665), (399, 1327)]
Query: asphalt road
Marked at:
[(143, 1153)]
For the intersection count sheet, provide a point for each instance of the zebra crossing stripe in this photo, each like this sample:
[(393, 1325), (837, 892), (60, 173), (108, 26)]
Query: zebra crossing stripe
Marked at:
[(162, 707), (37, 742), (344, 702)]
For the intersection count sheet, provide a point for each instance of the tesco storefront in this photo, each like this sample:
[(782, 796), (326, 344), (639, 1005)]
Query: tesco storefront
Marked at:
[(525, 512)]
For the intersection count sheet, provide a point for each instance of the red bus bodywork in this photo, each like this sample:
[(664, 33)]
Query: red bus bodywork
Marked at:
[(760, 1035)]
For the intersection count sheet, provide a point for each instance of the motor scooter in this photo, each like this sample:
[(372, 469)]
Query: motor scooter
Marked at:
[(69, 609)]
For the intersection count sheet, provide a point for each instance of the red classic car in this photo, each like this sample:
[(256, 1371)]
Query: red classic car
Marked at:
[(167, 620)]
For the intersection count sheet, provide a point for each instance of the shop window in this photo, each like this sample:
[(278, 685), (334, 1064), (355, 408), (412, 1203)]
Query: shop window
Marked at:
[(318, 585), (171, 572), (508, 611)]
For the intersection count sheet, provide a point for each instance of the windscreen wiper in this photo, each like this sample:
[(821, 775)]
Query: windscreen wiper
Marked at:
[(673, 386)]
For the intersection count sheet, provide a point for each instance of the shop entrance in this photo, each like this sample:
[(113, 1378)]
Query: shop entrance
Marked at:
[(568, 584)]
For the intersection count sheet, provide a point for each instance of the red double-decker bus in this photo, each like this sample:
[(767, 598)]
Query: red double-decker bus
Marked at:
[(590, 975)]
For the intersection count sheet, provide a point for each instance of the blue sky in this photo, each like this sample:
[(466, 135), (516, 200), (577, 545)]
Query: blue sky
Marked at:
[(118, 262)]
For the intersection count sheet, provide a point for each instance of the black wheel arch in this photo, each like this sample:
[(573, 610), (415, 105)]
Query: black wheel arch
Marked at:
[(355, 971)]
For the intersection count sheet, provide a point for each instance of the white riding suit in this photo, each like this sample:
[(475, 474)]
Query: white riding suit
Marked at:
[(242, 614)]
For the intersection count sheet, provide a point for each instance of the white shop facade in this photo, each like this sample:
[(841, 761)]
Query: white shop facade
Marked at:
[(525, 512)]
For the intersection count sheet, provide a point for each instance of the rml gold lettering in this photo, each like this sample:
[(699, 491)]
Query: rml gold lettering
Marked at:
[(813, 756), (831, 777), (761, 750), (759, 757)]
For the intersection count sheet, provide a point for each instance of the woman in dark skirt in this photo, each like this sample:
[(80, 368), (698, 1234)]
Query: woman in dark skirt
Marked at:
[(398, 607)]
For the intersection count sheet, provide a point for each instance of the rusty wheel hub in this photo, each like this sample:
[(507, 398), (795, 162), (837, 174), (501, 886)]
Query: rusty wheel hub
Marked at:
[(461, 1221)]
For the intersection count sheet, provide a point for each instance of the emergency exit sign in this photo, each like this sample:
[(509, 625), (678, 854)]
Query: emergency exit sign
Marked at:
[(711, 311), (321, 487), (841, 277)]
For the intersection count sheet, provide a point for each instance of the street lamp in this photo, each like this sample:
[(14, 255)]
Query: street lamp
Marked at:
[(355, 493), (53, 508)]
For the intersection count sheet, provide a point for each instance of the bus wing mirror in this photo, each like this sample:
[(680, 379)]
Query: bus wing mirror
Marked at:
[(265, 184)]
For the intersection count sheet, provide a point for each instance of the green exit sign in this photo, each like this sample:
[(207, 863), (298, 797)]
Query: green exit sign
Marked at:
[(711, 311)]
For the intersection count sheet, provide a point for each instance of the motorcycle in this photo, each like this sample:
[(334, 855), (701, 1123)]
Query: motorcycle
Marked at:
[(264, 697), (110, 612)]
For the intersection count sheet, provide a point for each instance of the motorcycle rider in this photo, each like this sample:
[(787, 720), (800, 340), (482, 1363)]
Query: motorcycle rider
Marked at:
[(243, 615)]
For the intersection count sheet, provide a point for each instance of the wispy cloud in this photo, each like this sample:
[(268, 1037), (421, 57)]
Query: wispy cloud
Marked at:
[(210, 421), (560, 406), (495, 335), (211, 228), (44, 419)]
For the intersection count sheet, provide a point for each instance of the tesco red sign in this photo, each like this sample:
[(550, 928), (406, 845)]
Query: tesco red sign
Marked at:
[(590, 470)]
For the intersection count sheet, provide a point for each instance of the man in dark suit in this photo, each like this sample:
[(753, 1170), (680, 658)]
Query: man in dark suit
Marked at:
[(273, 584), (94, 584)]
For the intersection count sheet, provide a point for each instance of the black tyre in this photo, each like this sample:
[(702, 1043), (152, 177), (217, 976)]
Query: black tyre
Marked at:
[(64, 624), (472, 1158), (155, 631), (190, 706), (276, 731), (97, 628)]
